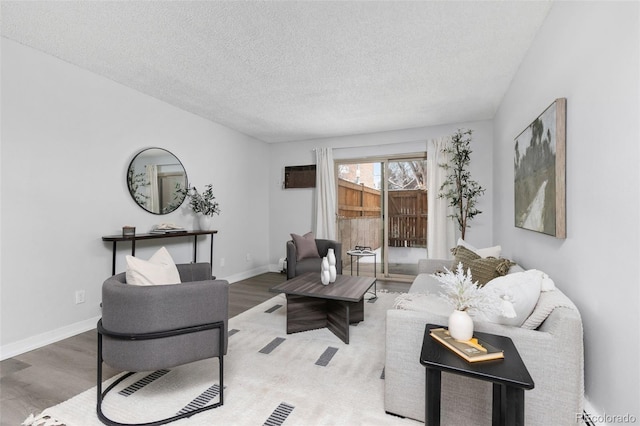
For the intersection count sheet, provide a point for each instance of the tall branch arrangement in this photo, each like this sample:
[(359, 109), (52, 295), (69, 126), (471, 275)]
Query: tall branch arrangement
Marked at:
[(459, 189), (204, 203)]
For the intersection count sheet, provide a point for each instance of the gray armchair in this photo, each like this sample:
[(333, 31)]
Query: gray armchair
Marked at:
[(297, 267), (147, 328)]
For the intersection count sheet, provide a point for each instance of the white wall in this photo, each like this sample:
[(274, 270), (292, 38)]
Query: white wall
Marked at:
[(292, 210), (68, 136), (589, 54)]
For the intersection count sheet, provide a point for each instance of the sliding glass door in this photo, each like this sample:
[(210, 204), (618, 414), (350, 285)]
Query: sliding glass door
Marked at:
[(406, 192), (360, 211), (382, 206)]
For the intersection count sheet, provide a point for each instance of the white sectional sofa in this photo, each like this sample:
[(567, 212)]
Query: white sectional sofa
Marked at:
[(552, 352)]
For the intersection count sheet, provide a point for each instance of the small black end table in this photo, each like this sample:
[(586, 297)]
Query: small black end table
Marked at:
[(361, 251), (509, 376)]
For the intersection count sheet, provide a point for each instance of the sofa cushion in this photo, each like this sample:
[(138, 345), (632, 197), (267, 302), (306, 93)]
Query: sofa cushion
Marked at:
[(425, 283), (305, 246), (483, 270), (423, 302), (515, 268), (519, 293), (548, 301), (482, 252), (160, 269)]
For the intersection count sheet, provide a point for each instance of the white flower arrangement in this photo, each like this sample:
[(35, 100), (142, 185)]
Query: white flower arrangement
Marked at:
[(461, 292)]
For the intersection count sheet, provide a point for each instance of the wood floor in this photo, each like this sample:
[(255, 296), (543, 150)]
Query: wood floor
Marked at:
[(33, 381)]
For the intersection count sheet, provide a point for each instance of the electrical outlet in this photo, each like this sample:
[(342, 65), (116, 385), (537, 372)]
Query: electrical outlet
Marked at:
[(222, 262), (248, 257), (79, 296)]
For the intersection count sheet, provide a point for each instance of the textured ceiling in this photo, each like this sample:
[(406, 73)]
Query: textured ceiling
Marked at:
[(283, 71)]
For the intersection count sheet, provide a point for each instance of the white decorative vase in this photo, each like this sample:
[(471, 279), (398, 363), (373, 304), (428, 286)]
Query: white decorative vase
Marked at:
[(331, 256), (324, 277), (205, 222), (324, 271), (460, 325)]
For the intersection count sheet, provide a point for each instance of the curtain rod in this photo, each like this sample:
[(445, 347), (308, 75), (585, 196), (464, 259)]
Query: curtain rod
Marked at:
[(382, 144)]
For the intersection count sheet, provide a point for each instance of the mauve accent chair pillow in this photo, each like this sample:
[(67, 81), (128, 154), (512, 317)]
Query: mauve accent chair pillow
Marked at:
[(305, 246), (160, 269)]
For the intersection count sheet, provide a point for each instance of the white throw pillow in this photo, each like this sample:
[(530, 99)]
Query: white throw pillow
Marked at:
[(519, 293), (158, 270), (482, 252)]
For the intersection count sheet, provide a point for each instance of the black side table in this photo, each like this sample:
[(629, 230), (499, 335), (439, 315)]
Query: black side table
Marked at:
[(359, 252), (509, 377)]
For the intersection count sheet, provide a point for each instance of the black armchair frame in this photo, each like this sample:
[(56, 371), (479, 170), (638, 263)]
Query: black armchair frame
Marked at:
[(156, 335)]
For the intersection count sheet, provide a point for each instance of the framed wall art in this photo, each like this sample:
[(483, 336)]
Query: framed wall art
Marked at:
[(539, 173)]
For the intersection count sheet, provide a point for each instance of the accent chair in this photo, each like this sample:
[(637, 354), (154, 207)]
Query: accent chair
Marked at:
[(154, 327), (298, 266)]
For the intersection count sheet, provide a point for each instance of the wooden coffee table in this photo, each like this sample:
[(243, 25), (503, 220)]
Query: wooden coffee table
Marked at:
[(311, 305)]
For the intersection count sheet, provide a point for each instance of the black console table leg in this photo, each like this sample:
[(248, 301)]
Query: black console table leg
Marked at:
[(432, 405), (195, 249), (211, 253), (113, 260), (515, 406)]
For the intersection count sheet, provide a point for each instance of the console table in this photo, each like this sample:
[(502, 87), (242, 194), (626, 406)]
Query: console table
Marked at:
[(133, 238)]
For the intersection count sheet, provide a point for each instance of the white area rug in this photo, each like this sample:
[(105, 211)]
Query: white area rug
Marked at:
[(308, 378)]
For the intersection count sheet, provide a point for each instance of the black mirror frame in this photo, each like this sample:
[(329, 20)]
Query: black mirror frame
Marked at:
[(132, 189)]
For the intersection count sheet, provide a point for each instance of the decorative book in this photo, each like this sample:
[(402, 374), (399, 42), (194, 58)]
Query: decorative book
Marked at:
[(166, 228), (167, 231), (473, 350), (361, 250)]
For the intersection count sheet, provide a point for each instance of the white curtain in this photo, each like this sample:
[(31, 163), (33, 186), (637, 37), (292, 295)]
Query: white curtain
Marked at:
[(440, 227), (325, 195), (153, 202)]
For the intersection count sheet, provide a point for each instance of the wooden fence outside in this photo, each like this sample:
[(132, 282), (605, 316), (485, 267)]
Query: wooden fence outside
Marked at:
[(359, 217), (408, 218), (356, 200), (360, 212), (361, 231)]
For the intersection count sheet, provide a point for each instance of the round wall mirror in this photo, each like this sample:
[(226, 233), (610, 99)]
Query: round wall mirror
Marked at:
[(153, 178)]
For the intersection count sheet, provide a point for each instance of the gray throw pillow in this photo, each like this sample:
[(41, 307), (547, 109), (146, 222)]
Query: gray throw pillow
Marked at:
[(305, 246)]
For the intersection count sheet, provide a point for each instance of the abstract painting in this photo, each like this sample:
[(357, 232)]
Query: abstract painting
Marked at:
[(539, 173)]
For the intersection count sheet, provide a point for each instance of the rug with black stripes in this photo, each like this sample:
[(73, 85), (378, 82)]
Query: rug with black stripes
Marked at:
[(271, 378)]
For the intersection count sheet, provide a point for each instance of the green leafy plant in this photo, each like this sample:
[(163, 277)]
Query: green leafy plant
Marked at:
[(459, 189), (204, 203), (137, 182)]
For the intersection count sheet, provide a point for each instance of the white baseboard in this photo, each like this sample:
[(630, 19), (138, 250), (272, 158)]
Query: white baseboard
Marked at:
[(275, 268), (247, 274), (25, 345)]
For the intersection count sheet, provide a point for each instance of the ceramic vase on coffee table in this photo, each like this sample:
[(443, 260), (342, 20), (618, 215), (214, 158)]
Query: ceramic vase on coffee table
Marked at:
[(325, 275), (331, 257)]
